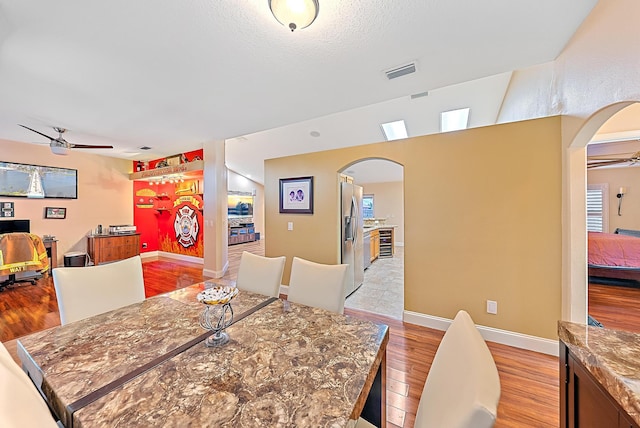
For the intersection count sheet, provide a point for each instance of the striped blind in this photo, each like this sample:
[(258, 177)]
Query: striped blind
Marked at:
[(595, 208)]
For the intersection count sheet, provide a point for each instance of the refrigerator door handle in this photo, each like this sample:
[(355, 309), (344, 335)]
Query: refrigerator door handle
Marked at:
[(354, 214)]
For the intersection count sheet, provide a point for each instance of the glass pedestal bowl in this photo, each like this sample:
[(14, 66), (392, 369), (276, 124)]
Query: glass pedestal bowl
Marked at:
[(217, 314)]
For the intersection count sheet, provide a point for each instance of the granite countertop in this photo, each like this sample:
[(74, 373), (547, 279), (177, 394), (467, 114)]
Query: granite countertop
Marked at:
[(80, 357), (612, 357), (378, 227), (285, 364)]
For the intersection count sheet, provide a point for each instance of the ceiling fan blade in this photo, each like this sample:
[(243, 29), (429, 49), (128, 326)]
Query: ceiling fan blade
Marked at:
[(37, 132), (606, 163), (86, 146)]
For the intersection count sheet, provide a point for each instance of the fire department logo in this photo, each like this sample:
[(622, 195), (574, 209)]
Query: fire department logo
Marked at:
[(186, 226)]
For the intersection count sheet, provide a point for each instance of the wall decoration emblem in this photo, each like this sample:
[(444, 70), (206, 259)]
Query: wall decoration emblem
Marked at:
[(186, 226)]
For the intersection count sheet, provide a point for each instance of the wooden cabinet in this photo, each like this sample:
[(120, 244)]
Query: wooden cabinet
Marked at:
[(240, 234), (374, 244), (584, 403), (51, 246), (109, 248)]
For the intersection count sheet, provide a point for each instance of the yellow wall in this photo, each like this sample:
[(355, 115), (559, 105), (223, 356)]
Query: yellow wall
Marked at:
[(628, 177), (482, 220), (104, 194)]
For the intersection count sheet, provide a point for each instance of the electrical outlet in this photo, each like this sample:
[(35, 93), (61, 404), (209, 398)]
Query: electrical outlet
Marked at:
[(144, 245), (492, 307), (290, 225)]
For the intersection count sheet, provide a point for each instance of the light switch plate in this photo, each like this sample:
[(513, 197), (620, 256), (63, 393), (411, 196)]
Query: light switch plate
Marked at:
[(290, 225), (492, 307)]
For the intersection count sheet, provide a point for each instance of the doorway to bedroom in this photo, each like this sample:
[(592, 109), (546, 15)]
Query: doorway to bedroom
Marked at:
[(613, 222)]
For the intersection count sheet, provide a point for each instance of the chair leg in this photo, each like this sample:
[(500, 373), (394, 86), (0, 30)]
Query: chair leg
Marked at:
[(12, 280)]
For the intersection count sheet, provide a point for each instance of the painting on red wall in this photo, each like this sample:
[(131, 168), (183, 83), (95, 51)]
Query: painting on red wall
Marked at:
[(174, 160), (186, 233)]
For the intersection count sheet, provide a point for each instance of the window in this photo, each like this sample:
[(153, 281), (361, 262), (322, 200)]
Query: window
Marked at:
[(597, 209), (367, 206)]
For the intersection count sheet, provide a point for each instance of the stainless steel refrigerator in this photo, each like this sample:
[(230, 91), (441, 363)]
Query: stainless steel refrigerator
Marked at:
[(352, 235)]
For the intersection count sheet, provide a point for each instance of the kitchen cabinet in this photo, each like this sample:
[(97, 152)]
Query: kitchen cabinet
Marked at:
[(110, 248), (584, 402), (374, 244)]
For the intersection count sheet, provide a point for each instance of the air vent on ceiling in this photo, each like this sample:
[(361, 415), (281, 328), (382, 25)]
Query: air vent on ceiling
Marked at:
[(145, 148), (420, 95), (400, 71)]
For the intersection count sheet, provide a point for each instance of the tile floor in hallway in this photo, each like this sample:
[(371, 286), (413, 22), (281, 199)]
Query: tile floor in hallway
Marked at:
[(382, 291)]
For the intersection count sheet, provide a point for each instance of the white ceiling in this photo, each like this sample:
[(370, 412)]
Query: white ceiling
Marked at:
[(174, 75)]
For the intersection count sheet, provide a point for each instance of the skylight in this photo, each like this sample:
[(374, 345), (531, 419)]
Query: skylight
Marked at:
[(394, 130), (454, 120)]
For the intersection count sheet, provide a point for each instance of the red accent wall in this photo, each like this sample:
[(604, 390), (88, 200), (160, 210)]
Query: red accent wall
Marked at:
[(167, 219)]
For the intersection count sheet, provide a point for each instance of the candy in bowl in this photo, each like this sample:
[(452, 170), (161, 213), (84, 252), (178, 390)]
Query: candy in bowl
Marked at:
[(217, 314)]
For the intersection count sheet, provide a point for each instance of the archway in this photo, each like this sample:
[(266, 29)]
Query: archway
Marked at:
[(575, 281), (382, 289)]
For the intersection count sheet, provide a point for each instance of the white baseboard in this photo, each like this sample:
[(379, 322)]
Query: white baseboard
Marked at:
[(149, 255), (505, 337), (206, 272), (182, 257), (214, 273)]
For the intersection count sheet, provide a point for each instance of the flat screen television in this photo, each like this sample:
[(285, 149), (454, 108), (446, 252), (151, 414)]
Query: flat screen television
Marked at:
[(240, 205), (11, 226), (36, 181)]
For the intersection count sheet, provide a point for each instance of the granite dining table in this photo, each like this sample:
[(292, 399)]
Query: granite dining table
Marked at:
[(145, 365)]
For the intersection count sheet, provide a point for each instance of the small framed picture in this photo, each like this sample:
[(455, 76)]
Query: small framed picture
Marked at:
[(7, 209), (173, 160), (296, 195), (53, 212)]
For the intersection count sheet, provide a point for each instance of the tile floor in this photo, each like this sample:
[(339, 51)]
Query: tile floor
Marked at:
[(382, 291)]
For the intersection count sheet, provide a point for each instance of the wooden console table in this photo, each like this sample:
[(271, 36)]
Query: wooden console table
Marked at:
[(110, 248), (52, 252)]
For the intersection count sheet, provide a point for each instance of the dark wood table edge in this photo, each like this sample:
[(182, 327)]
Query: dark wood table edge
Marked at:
[(371, 404)]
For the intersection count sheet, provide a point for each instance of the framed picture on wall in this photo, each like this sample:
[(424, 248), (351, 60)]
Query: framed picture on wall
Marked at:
[(52, 212), (7, 209), (296, 195)]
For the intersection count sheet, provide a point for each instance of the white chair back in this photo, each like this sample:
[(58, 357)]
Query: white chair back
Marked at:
[(86, 291), (463, 387), (317, 285), (20, 402), (259, 274)]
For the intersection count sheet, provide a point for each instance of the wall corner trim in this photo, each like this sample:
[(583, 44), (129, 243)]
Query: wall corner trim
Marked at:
[(505, 337), (215, 273)]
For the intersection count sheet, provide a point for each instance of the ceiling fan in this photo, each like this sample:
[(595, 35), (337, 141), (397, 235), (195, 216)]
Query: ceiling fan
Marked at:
[(610, 160), (60, 146)]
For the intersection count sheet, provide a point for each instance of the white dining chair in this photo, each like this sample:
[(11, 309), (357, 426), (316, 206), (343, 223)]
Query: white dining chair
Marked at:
[(463, 387), (317, 285), (21, 405), (259, 274), (86, 291)]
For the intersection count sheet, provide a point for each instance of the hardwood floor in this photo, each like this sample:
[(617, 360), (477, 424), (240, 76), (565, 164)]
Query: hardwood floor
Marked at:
[(615, 307), (529, 380)]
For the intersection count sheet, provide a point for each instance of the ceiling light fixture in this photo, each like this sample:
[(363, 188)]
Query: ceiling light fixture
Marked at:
[(394, 130), (295, 14)]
